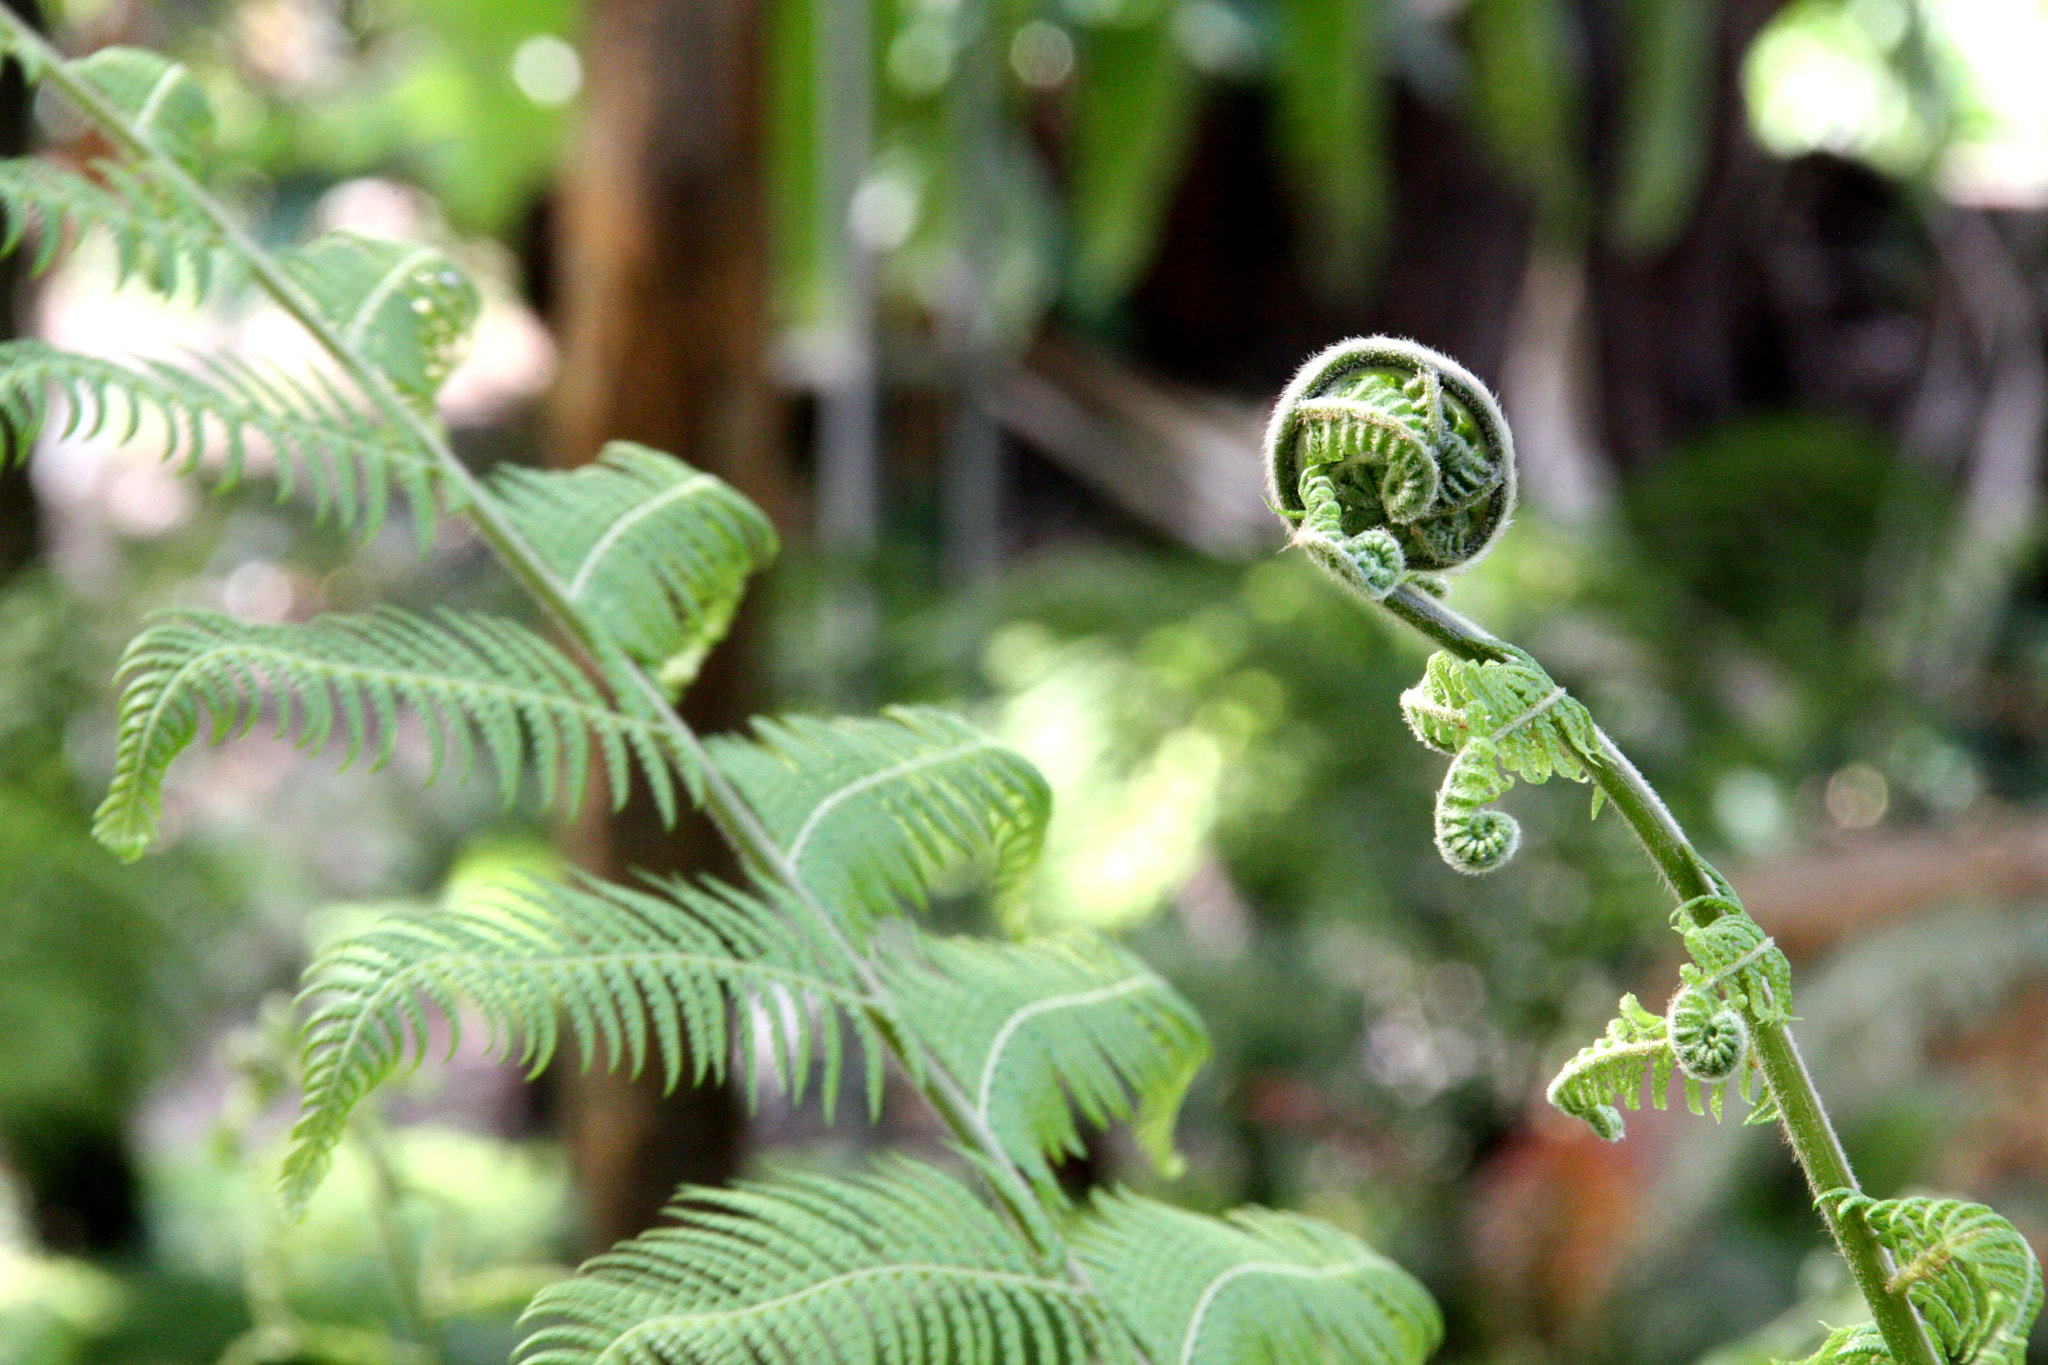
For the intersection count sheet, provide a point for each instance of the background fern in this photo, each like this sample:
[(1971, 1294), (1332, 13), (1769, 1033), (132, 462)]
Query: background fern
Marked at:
[(844, 825), (476, 682), (308, 433), (656, 553), (866, 811)]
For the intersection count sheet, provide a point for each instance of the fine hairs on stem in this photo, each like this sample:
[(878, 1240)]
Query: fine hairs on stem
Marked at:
[(1393, 465)]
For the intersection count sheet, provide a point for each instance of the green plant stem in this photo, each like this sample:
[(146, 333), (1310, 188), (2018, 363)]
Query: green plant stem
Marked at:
[(387, 1194), (1807, 1128), (940, 1088)]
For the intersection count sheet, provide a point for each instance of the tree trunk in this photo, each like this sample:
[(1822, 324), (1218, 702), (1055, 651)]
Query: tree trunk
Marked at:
[(659, 285)]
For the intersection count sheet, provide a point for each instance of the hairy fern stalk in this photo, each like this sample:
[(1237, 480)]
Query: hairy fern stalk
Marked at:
[(1392, 465), (842, 826)]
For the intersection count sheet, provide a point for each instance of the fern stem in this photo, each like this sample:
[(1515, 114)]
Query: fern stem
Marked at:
[(1805, 1119), (401, 1263), (943, 1091)]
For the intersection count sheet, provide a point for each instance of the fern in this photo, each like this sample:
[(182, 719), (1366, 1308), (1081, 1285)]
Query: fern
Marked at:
[(1973, 1279), (474, 679), (152, 239), (653, 973), (866, 812), (346, 461), (1500, 719), (657, 973), (1345, 456), (845, 826), (405, 308), (906, 1265), (160, 104), (1255, 1285), (1047, 1030), (655, 552), (902, 1264)]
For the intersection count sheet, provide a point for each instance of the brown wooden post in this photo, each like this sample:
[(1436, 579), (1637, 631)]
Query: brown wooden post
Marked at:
[(660, 282)]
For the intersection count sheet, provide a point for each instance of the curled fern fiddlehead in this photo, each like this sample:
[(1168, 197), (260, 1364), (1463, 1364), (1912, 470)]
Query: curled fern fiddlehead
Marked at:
[(1499, 721), (1709, 1040), (1389, 458)]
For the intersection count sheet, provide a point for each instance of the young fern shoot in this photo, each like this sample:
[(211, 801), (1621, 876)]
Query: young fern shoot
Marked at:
[(842, 828), (1392, 464)]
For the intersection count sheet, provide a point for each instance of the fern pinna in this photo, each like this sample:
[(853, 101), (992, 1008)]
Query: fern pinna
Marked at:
[(1393, 465), (841, 826)]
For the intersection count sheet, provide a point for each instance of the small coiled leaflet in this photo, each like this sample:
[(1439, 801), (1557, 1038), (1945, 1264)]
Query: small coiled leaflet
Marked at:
[(1389, 458), (1499, 720), (1709, 1039)]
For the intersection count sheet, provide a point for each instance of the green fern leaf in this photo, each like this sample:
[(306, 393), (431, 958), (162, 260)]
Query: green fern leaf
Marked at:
[(1733, 954), (655, 553), (403, 307), (1253, 1285), (903, 1265), (1500, 720), (471, 678), (155, 238), (157, 98), (631, 974), (867, 811), (1968, 1273), (1613, 1068), (317, 440), (1040, 1031)]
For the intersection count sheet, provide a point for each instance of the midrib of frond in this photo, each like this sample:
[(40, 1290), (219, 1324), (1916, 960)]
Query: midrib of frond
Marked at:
[(415, 974), (331, 673), (895, 772), (985, 1090), (366, 311), (1647, 1048), (1284, 1269), (638, 513), (620, 1349), (151, 106)]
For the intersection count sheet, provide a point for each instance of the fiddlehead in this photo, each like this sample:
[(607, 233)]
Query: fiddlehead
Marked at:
[(1345, 473), (1709, 1040), (1388, 458), (1499, 720)]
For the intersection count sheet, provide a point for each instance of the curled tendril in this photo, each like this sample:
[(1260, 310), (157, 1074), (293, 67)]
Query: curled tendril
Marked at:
[(1500, 720), (1388, 458), (1709, 1039)]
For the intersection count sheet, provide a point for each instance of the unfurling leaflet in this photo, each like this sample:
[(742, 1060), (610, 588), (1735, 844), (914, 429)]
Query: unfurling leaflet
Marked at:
[(1388, 458), (1968, 1273), (1499, 721), (1738, 980)]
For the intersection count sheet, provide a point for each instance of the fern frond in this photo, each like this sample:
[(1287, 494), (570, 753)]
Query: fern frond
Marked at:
[(1501, 720), (655, 553), (1040, 1031), (405, 308), (1252, 1285), (1732, 954), (345, 461), (630, 974), (1637, 1048), (471, 678), (867, 811), (155, 237), (903, 1265), (159, 100), (1968, 1273)]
